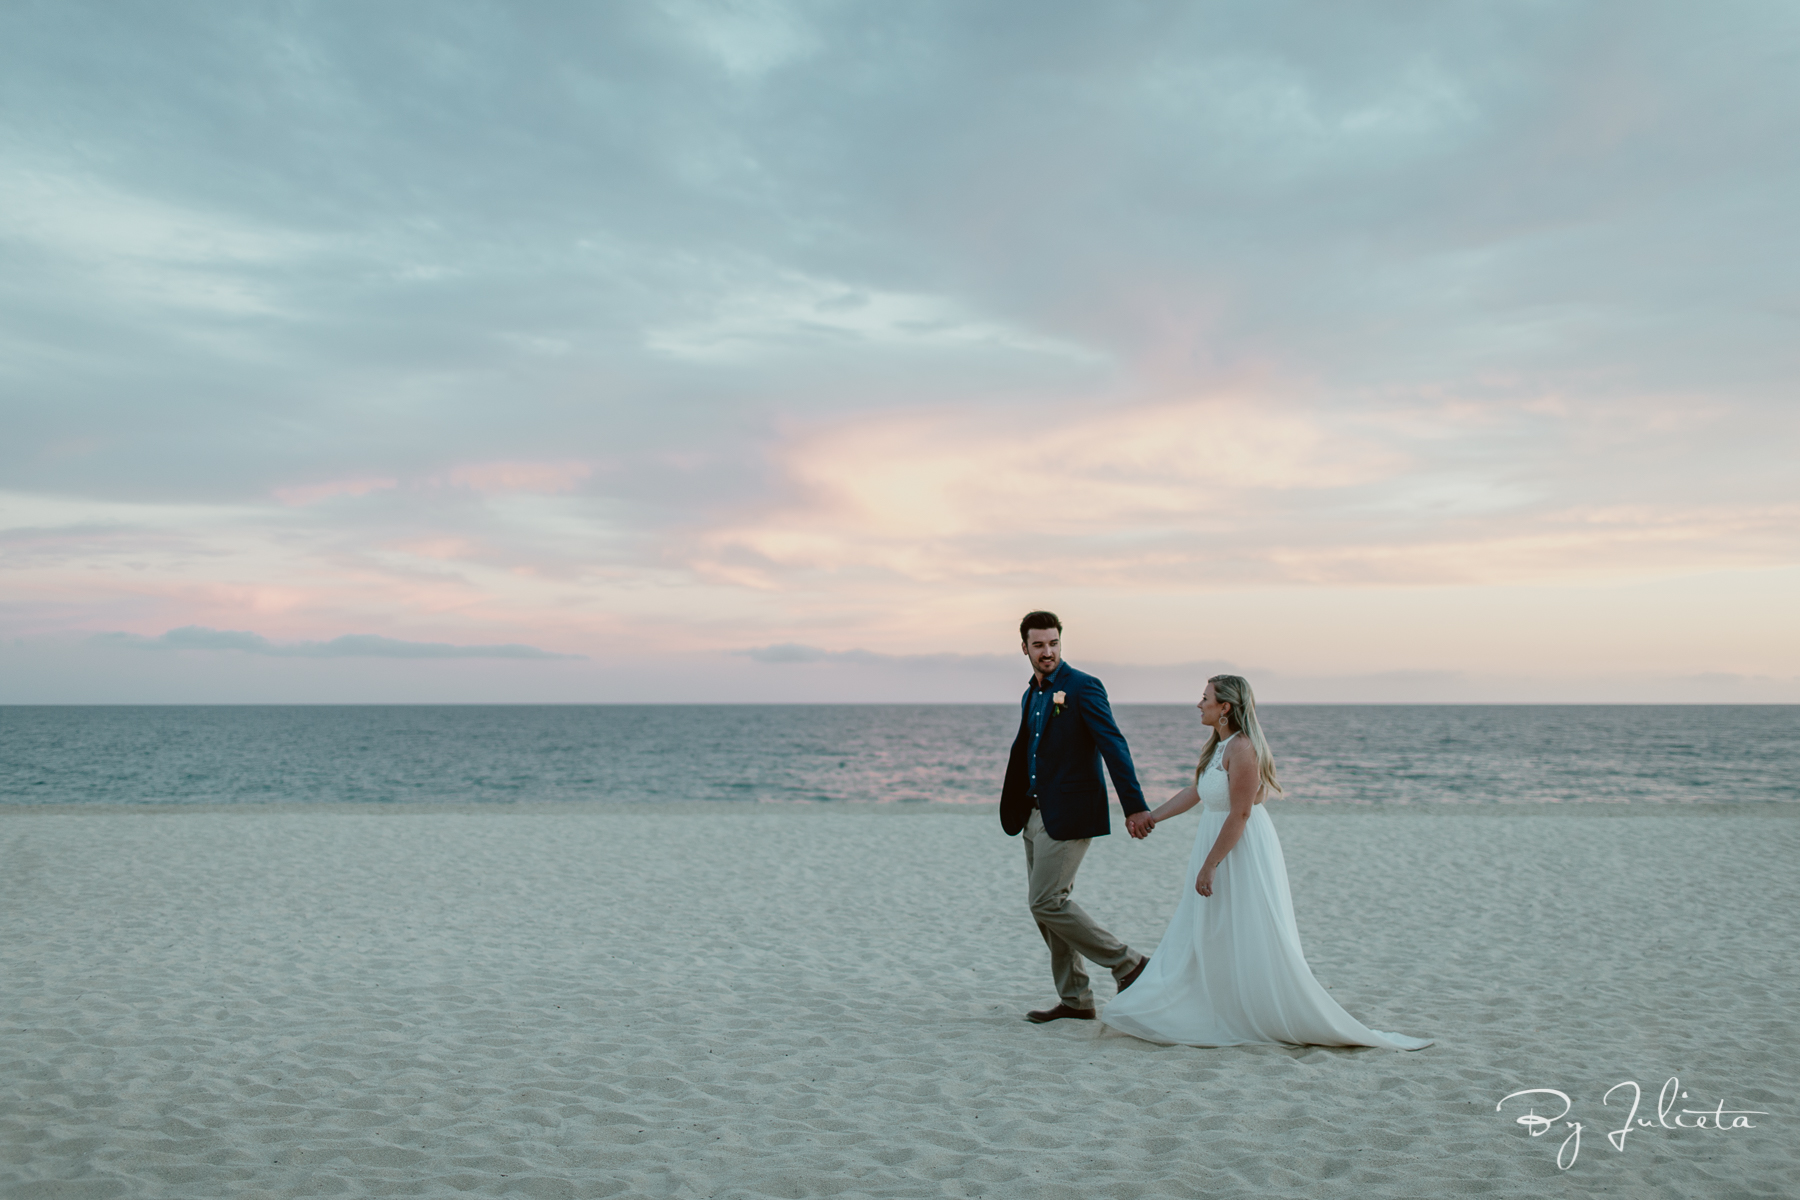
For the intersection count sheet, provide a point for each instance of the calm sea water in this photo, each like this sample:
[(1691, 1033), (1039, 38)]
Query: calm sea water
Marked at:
[(505, 754)]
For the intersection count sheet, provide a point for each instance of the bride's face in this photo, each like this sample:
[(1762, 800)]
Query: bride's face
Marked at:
[(1210, 708)]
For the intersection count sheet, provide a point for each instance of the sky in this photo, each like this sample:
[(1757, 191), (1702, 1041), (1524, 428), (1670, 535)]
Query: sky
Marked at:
[(757, 352)]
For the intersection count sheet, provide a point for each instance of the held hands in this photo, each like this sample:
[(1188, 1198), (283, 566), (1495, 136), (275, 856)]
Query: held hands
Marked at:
[(1203, 885), (1139, 825)]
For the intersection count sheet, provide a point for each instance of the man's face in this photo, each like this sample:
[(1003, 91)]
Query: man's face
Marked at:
[(1044, 648)]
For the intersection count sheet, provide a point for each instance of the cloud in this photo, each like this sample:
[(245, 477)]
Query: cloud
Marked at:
[(1143, 208), (155, 255), (937, 496), (1227, 492), (483, 478), (767, 323), (498, 477), (195, 637), (788, 314), (312, 493), (796, 654), (749, 38)]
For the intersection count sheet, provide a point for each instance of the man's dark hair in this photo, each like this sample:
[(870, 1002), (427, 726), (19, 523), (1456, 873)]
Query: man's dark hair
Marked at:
[(1038, 620)]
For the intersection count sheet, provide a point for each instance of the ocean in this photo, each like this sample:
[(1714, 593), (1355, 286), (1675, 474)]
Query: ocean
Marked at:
[(505, 754)]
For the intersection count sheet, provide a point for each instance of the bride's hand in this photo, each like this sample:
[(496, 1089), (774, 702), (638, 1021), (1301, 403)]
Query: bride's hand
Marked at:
[(1203, 885)]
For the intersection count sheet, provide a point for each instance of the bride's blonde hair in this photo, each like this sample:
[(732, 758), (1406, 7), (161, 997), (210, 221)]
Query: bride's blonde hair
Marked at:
[(1235, 691)]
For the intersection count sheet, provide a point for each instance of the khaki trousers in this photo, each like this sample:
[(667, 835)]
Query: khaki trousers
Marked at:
[(1070, 933)]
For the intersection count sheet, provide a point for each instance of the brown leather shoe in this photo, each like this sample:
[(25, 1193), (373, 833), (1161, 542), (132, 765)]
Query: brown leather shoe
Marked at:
[(1058, 1013), (1135, 972)]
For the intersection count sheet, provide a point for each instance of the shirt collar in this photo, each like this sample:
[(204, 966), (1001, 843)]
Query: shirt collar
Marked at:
[(1051, 681)]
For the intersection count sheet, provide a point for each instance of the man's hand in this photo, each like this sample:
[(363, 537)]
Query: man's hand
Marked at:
[(1139, 825)]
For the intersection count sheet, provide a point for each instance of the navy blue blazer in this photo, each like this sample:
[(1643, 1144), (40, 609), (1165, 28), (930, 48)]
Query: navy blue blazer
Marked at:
[(1071, 793)]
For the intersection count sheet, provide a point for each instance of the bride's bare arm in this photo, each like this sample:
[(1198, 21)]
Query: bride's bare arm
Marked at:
[(1246, 785), (1175, 805)]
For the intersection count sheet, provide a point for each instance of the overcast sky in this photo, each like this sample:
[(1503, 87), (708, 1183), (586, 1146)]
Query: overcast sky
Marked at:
[(689, 351)]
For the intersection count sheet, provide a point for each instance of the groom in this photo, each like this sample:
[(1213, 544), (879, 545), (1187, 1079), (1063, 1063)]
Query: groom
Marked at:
[(1054, 794)]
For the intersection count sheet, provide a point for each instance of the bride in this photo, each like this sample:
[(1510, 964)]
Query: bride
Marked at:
[(1229, 970)]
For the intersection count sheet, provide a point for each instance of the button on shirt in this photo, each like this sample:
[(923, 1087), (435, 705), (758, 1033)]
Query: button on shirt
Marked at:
[(1039, 716)]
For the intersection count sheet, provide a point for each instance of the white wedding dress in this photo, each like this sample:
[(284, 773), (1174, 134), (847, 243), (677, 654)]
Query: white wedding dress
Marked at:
[(1229, 970)]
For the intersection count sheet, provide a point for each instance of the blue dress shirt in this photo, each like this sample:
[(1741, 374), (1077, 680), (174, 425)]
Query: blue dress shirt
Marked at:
[(1040, 714)]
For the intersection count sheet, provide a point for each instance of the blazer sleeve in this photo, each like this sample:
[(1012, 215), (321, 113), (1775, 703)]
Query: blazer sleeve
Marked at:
[(1096, 712)]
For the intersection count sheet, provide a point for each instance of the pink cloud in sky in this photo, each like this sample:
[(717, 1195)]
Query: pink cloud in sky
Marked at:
[(1217, 493), (312, 493), (1593, 544), (491, 478), (446, 549), (486, 478), (1361, 343), (936, 496)]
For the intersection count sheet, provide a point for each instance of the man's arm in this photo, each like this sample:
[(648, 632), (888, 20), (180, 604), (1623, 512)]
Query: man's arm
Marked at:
[(1096, 712), (1016, 783)]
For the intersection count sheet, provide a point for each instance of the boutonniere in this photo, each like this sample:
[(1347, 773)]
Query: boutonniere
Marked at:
[(1060, 699)]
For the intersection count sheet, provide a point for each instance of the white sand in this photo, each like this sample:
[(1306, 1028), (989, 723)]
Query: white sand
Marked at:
[(769, 1001)]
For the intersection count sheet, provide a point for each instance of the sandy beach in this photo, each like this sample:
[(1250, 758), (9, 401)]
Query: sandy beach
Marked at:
[(700, 1001)]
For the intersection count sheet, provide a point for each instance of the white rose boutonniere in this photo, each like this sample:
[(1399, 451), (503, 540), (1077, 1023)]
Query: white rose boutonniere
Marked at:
[(1060, 699)]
